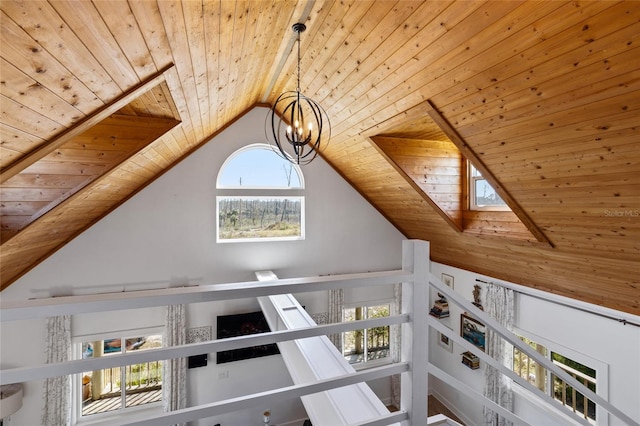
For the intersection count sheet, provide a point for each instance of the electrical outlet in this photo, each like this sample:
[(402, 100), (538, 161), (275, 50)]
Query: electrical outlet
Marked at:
[(223, 374)]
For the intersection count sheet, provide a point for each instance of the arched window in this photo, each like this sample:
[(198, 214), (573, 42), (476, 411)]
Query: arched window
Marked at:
[(260, 197)]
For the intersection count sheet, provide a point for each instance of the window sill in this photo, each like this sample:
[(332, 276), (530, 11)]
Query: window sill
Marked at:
[(117, 417), (371, 364)]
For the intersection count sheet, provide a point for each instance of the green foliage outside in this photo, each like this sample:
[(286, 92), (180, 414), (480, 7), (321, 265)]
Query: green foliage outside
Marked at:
[(530, 370), (377, 337)]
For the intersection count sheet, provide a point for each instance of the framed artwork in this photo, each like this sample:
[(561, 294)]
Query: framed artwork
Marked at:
[(473, 331), (445, 342), (447, 279)]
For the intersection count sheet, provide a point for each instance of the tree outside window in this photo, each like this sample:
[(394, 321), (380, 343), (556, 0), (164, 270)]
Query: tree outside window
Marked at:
[(366, 345)]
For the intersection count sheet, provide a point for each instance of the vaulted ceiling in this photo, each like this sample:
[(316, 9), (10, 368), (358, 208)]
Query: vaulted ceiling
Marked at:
[(100, 98)]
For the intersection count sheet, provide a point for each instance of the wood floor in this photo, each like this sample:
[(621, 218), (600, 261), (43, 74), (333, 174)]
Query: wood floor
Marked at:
[(110, 404), (435, 407)]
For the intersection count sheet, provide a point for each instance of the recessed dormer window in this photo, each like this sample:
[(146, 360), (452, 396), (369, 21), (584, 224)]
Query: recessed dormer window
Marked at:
[(482, 196), (260, 197)]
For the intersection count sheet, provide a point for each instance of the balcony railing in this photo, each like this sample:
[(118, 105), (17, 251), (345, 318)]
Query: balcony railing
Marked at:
[(570, 397), (138, 378)]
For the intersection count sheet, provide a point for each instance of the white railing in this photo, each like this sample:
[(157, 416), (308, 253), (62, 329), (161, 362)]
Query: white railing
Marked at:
[(414, 366), (490, 322), (414, 282)]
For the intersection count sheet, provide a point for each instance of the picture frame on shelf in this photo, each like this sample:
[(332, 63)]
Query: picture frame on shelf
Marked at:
[(445, 342), (447, 279), (473, 331)]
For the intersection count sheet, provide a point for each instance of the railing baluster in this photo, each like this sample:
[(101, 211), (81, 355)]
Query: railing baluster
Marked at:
[(573, 396), (585, 400)]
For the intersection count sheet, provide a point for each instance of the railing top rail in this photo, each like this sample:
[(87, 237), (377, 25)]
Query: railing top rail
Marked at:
[(70, 305), (25, 374)]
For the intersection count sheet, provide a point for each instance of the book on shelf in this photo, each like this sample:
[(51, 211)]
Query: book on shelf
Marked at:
[(438, 314), (440, 309), (470, 360)]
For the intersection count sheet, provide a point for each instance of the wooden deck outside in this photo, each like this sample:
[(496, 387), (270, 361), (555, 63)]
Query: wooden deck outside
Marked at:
[(111, 404)]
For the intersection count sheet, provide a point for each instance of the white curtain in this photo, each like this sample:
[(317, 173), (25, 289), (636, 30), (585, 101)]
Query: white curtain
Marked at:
[(396, 341), (498, 303), (336, 305), (57, 390), (174, 372)]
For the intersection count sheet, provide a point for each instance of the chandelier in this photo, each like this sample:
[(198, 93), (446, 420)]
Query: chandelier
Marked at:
[(302, 129)]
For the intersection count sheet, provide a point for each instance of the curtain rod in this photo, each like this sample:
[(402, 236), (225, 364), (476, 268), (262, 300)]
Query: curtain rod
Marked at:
[(568, 305)]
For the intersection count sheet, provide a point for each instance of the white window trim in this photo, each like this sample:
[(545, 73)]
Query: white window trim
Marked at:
[(76, 379), (250, 240), (259, 192), (601, 368)]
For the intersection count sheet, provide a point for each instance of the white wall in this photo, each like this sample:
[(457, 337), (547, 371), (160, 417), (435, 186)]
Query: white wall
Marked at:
[(585, 337), (166, 234)]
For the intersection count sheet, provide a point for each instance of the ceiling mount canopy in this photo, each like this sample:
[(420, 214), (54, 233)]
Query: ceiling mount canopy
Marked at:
[(301, 130)]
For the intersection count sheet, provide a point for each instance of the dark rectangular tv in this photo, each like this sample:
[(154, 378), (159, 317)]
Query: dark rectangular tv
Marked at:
[(240, 325)]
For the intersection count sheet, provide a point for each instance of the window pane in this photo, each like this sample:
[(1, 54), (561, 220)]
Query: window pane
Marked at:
[(527, 367), (573, 400), (103, 390), (143, 381), (259, 217), (378, 337), (361, 346), (258, 167), (486, 195)]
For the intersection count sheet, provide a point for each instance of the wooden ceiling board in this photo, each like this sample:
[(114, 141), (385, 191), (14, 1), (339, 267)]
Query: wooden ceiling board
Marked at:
[(442, 190), (102, 147), (545, 93), (390, 96), (22, 48)]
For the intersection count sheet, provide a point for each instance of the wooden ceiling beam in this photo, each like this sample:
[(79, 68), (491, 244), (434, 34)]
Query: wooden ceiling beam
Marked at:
[(83, 125), (468, 153)]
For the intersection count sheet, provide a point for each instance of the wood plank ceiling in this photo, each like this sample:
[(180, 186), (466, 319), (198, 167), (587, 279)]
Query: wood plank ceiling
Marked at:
[(546, 94)]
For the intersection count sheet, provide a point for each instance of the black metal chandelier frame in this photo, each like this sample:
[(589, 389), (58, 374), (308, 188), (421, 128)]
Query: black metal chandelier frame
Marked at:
[(296, 122)]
